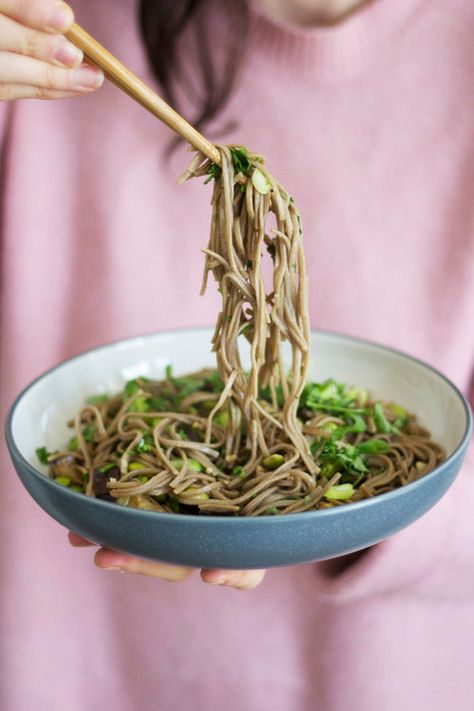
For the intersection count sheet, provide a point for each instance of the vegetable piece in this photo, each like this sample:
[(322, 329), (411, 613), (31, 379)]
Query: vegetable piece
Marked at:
[(89, 433), (260, 182), (139, 404), (222, 418), (191, 491), (75, 487), (214, 172), (73, 444), (135, 466), (169, 372), (107, 467), (193, 464), (43, 455), (397, 410), (272, 510), (146, 443), (273, 461), (131, 388), (373, 446), (339, 492), (63, 480), (381, 422), (240, 160), (97, 399)]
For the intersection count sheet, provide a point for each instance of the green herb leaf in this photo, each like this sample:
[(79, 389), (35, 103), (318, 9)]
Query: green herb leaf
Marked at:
[(146, 443), (43, 454), (373, 446), (213, 172), (98, 399), (89, 433), (131, 388), (240, 160), (381, 422)]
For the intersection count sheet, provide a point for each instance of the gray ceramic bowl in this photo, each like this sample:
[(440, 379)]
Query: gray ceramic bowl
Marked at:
[(39, 415)]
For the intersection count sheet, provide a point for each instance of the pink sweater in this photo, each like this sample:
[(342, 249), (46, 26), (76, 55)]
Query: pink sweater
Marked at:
[(371, 126)]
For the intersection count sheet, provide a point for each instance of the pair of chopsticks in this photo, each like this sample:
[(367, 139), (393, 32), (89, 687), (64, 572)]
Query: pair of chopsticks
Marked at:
[(122, 77)]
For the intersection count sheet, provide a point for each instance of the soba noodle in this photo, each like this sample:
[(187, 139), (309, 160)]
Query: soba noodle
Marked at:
[(262, 441)]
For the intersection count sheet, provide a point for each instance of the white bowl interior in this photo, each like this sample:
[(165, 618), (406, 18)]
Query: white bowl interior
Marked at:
[(42, 412)]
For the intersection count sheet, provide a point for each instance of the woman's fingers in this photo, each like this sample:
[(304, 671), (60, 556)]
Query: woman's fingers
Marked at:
[(112, 560), (239, 579), (78, 541), (16, 69), (47, 15), (40, 45)]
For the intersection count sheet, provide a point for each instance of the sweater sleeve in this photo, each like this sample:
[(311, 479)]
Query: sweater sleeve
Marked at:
[(433, 558)]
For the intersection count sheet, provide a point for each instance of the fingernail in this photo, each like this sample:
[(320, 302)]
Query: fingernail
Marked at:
[(87, 78), (68, 54), (60, 17)]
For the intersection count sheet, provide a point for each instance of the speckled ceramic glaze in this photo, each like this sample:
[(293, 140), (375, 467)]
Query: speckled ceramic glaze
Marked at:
[(39, 415)]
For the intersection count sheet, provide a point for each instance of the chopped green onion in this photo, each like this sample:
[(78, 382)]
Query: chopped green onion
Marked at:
[(240, 160), (169, 372), (339, 492), (43, 454), (107, 468), (63, 480), (131, 388), (75, 487), (144, 478), (381, 422), (73, 444), (98, 399), (260, 182), (213, 172), (134, 466), (373, 446), (89, 433), (272, 510), (273, 461), (140, 404)]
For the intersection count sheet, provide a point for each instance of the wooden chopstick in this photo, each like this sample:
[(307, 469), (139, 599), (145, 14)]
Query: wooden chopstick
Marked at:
[(122, 77)]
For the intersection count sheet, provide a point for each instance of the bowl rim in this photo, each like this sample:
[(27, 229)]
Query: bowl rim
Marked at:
[(219, 520)]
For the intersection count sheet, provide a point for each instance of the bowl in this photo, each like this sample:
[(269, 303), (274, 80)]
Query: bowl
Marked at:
[(39, 416)]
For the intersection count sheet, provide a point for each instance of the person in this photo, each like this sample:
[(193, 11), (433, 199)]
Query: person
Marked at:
[(363, 110)]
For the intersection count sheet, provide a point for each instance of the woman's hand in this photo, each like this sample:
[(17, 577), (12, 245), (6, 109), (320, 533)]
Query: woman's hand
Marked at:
[(36, 60), (110, 560)]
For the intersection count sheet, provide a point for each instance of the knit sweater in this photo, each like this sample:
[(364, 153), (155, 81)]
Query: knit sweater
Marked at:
[(370, 124)]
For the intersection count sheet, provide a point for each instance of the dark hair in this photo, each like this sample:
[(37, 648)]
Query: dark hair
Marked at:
[(170, 26)]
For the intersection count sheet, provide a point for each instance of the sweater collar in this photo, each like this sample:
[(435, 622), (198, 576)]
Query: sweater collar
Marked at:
[(336, 52)]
